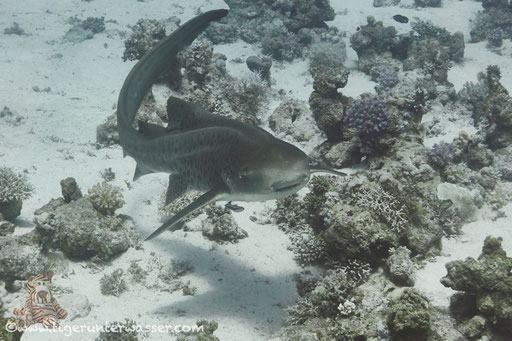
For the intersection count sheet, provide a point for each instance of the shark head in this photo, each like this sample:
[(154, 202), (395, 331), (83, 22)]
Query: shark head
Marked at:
[(272, 173)]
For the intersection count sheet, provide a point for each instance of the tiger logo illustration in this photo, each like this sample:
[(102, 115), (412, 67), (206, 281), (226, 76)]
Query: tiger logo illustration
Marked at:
[(40, 305)]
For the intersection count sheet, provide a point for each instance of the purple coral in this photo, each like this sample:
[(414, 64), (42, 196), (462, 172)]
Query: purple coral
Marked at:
[(441, 154), (387, 78), (368, 116)]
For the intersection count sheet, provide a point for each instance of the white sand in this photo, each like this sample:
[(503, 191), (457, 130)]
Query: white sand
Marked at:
[(244, 286)]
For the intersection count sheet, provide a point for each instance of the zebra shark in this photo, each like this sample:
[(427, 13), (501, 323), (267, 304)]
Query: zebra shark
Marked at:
[(226, 159)]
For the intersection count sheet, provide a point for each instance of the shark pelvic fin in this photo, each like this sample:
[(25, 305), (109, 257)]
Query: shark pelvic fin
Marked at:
[(205, 199)]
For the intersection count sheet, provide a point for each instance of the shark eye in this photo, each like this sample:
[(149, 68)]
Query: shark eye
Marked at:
[(243, 173)]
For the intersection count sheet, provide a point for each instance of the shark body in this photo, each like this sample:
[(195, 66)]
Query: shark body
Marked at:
[(226, 159)]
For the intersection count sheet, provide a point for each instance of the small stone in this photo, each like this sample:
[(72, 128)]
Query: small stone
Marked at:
[(11, 209), (260, 65), (6, 227), (473, 328), (400, 267), (70, 190), (464, 200)]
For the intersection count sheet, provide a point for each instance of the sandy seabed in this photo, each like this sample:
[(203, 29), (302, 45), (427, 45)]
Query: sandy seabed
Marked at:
[(244, 286)]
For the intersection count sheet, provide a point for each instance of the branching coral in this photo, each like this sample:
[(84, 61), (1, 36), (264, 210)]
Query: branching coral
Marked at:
[(106, 198), (369, 116), (113, 284), (308, 248), (282, 46), (385, 205), (433, 49), (13, 186), (247, 96), (490, 23), (386, 79), (441, 154)]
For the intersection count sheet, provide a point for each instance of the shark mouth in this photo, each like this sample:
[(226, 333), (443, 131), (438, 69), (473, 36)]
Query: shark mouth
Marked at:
[(285, 186)]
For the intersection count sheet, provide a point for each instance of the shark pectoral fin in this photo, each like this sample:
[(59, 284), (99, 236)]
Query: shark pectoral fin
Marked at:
[(178, 185), (141, 170), (205, 199), (151, 129)]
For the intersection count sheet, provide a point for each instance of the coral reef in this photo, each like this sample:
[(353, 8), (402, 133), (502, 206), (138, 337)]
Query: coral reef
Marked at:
[(375, 310), (18, 255), (487, 287), (284, 28), (427, 47), (284, 45), (386, 78), (82, 231), (146, 34), (494, 23), (329, 75), (410, 316), (197, 61), (308, 248), (326, 295), (433, 49), (373, 38), (503, 162), (220, 226), (497, 111), (369, 117), (367, 215), (400, 267), (14, 188), (106, 133)]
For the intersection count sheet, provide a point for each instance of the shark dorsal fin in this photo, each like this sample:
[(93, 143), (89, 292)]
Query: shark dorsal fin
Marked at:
[(183, 114)]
